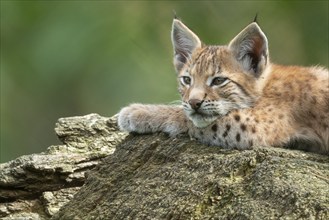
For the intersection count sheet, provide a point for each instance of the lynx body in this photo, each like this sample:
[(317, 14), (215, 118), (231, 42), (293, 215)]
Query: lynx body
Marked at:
[(234, 97)]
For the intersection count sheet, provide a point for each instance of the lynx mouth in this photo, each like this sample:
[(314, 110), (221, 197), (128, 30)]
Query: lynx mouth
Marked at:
[(201, 120)]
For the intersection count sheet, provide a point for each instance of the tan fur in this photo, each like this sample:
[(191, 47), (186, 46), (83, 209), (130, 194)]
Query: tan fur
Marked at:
[(257, 102)]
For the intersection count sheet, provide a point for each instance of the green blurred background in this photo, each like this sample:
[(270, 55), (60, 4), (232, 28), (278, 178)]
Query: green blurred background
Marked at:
[(68, 58)]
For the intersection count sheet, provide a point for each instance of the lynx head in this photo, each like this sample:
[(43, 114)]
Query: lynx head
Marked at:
[(214, 80)]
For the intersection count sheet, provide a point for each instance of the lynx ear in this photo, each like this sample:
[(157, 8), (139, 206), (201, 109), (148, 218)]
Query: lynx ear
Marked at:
[(250, 47), (184, 42)]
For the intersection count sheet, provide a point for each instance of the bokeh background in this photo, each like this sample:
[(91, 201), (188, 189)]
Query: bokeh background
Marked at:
[(68, 58)]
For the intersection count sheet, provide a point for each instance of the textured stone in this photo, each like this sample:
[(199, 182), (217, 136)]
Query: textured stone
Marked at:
[(157, 177), (36, 186)]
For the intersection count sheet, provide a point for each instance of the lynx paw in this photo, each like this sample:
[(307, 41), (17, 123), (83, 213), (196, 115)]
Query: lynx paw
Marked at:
[(152, 118), (134, 118)]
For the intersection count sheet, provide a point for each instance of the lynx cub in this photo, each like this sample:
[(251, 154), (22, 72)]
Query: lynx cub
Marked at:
[(234, 97)]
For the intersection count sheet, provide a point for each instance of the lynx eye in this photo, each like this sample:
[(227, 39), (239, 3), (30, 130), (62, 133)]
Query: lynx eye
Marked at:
[(219, 81), (186, 80)]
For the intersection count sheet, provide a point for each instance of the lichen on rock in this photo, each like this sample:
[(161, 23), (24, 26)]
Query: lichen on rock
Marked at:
[(157, 177), (27, 182)]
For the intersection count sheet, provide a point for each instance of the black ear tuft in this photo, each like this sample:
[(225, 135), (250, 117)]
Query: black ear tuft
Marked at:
[(255, 19), (175, 14)]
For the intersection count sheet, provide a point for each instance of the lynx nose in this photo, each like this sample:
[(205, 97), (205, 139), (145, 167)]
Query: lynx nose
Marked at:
[(195, 103)]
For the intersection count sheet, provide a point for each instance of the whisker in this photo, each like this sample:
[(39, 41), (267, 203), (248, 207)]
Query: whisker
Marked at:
[(175, 102)]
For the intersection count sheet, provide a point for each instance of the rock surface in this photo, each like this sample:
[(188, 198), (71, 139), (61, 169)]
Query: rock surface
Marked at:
[(157, 177), (36, 186)]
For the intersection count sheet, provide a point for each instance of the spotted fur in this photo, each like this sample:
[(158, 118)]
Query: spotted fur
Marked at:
[(234, 97)]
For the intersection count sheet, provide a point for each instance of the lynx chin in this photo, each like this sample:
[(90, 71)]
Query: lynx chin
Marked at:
[(234, 97)]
